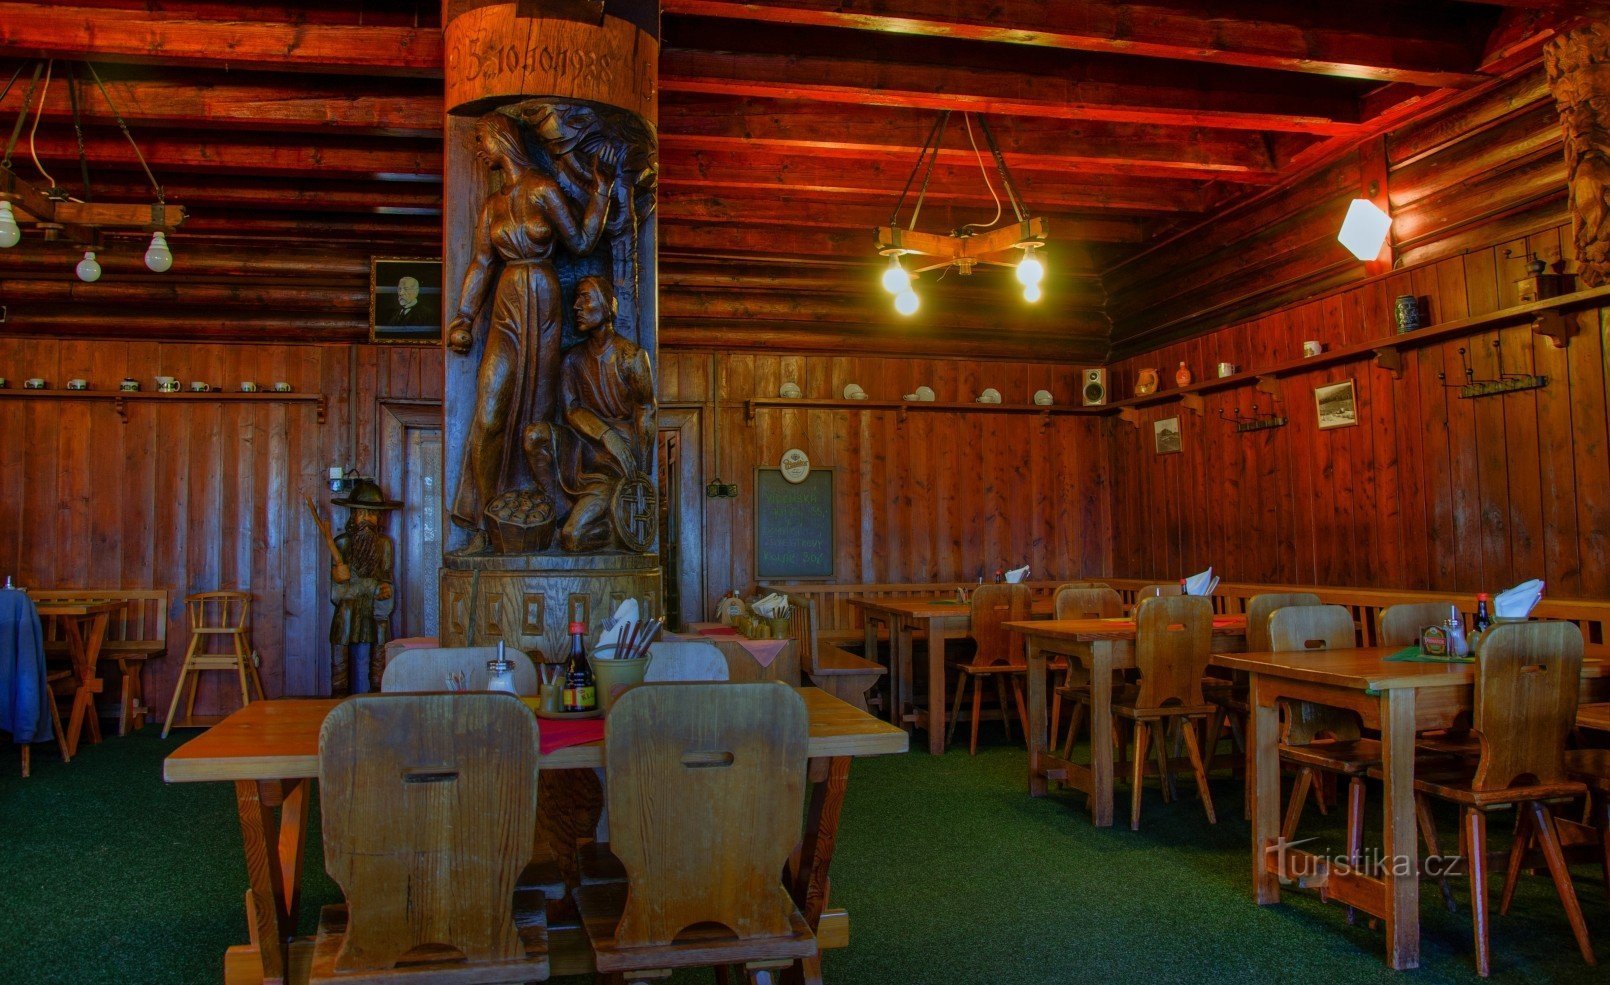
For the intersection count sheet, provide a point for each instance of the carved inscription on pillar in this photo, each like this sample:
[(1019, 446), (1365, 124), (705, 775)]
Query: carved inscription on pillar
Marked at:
[(1578, 66)]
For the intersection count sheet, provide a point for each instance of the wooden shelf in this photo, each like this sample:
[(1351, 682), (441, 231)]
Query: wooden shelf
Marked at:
[(902, 406), (120, 398), (1544, 316)]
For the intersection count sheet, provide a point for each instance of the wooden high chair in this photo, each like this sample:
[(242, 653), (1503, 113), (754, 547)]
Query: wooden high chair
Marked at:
[(706, 793), (999, 656), (1173, 643), (218, 616), (429, 801)]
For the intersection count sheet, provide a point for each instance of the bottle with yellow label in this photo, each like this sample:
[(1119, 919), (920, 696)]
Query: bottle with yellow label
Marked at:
[(581, 689)]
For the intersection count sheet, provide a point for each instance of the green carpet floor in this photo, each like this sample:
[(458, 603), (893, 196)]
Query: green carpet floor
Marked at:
[(949, 870)]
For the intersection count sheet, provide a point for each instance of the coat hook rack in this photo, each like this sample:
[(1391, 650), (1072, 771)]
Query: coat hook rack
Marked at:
[(1257, 422), (1473, 388)]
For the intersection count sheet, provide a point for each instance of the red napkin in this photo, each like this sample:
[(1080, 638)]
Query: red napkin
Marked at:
[(558, 735)]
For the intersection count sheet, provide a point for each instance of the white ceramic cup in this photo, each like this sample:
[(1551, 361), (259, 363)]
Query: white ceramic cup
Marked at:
[(199, 387), (36, 383), (77, 384), (129, 385), (1226, 369), (1312, 347), (248, 387), (282, 387)]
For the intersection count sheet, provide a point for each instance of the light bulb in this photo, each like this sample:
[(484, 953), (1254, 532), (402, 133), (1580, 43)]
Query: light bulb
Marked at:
[(1030, 270), (88, 270), (895, 278), (10, 232), (158, 258), (1032, 293), (906, 301)]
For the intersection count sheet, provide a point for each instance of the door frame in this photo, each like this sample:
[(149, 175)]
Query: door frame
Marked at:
[(396, 418), (687, 422)]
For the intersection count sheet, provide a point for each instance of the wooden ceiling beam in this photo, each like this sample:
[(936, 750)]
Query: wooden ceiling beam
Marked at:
[(383, 160), (1384, 45), (1133, 96), (141, 36), (705, 242)]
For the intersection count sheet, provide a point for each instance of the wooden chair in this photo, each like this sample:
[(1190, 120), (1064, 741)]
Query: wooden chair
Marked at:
[(52, 680), (1078, 601), (1400, 625), (1592, 767), (215, 616), (427, 668), (706, 787), (135, 634), (999, 656), (1173, 642), (832, 668), (1317, 739), (1527, 678), (429, 801), (1231, 696), (1159, 591)]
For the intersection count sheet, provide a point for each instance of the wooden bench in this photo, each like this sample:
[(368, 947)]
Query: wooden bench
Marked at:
[(136, 633), (829, 666)]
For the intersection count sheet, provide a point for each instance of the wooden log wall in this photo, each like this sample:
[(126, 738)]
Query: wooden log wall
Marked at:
[(940, 497), (1428, 491), (194, 495)]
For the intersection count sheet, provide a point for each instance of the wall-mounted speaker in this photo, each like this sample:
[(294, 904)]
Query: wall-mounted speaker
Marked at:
[(1093, 387)]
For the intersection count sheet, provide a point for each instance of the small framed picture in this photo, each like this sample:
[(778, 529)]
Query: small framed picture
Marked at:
[(1166, 434), (405, 300), (1337, 405)]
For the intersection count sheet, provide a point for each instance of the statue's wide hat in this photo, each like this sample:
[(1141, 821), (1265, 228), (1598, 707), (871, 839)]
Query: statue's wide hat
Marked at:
[(366, 495)]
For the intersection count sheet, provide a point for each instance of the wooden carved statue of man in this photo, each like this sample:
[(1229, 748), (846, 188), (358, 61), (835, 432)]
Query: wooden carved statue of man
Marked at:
[(605, 446), (361, 590)]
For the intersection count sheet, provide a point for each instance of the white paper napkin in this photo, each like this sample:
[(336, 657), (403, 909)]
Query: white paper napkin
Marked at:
[(1202, 583), (1016, 575), (1518, 602), (616, 627)]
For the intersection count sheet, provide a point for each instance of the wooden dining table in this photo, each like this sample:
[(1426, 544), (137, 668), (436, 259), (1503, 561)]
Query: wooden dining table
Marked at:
[(940, 618), (84, 629), (1399, 699), (269, 750), (1594, 716), (1101, 646)]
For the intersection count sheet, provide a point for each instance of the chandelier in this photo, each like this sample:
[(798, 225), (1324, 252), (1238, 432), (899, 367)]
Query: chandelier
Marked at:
[(59, 214), (990, 243)]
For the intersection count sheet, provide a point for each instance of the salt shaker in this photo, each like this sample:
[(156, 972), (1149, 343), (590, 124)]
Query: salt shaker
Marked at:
[(1456, 633), (500, 673)]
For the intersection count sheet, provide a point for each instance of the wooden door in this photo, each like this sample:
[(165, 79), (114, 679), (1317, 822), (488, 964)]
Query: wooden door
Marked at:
[(411, 470), (681, 488)]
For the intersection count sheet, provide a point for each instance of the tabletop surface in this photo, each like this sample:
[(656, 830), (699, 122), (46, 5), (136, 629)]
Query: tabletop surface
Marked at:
[(78, 607), (1594, 716), (931, 607), (1091, 630), (279, 740), (1367, 669)]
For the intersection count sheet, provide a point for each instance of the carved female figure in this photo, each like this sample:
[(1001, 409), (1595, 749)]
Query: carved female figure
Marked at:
[(520, 227)]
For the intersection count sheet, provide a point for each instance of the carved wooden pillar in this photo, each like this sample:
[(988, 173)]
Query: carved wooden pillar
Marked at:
[(549, 295), (1578, 65)]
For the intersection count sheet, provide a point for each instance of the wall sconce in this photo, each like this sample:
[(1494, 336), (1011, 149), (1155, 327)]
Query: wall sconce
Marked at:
[(342, 478), (1365, 228)]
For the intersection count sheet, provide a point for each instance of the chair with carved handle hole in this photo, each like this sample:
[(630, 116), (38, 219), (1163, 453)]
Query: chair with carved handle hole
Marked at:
[(999, 656), (428, 801), (1316, 739), (1402, 625), (1078, 602), (430, 669), (1527, 679), (220, 616), (1173, 643), (1159, 591), (1230, 693), (706, 787)]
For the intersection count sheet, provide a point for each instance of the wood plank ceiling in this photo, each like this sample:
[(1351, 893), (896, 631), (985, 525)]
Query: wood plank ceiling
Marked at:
[(788, 128)]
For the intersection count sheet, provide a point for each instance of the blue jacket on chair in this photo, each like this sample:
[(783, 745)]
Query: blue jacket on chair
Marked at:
[(24, 696)]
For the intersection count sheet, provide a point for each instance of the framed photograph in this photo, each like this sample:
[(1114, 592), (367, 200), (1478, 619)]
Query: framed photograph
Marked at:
[(1166, 433), (405, 300), (1337, 404)]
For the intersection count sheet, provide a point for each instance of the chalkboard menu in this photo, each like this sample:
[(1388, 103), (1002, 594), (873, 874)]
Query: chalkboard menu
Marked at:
[(793, 525)]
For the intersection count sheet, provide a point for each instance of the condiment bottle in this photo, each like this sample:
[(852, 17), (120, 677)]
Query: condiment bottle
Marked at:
[(500, 672), (1456, 633), (581, 690)]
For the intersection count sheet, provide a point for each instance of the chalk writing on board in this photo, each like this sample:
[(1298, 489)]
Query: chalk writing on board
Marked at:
[(793, 525)]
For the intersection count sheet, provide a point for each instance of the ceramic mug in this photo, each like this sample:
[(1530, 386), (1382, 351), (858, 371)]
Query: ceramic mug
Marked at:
[(129, 385), (1226, 369), (167, 384), (199, 387), (77, 384), (4, 382), (248, 387), (1312, 348), (33, 384), (282, 388)]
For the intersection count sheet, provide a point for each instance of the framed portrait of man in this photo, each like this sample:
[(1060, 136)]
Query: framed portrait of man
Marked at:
[(405, 300)]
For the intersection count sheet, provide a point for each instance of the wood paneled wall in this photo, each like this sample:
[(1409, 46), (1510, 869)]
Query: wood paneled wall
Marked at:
[(940, 497), (1428, 490), (195, 495)]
